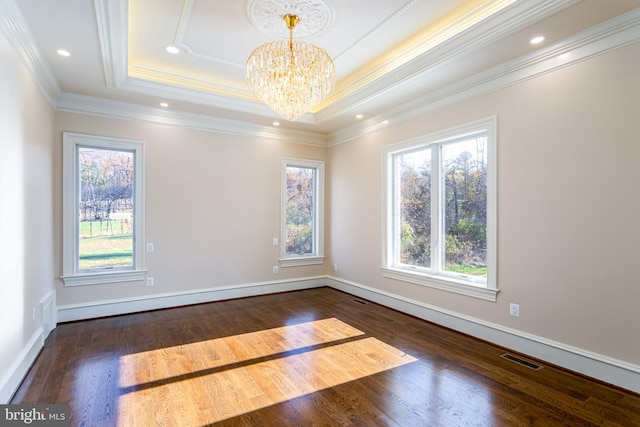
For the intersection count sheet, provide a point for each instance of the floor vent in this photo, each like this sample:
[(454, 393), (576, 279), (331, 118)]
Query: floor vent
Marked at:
[(357, 301), (522, 362)]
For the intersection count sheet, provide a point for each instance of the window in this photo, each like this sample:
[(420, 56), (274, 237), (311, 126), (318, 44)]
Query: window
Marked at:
[(441, 210), (103, 210), (302, 212)]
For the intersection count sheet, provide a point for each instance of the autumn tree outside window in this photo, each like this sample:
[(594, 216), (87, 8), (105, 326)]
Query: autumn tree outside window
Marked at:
[(103, 210), (302, 212), (441, 210)]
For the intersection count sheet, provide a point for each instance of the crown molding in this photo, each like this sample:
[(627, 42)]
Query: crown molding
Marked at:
[(21, 39), (471, 31), (200, 95), (112, 21), (81, 104), (597, 40), (612, 34), (605, 37), (112, 17), (179, 80)]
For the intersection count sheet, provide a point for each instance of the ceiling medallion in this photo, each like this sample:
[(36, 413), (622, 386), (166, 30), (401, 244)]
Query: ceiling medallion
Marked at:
[(316, 16)]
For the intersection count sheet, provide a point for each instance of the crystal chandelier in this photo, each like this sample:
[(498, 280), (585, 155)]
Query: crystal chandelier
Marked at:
[(291, 78)]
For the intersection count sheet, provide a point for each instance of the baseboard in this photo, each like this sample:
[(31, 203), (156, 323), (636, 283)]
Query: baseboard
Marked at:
[(616, 372), (48, 314), (21, 365), (68, 313), (18, 370)]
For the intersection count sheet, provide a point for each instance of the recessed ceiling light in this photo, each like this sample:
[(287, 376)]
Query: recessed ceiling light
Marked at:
[(359, 116), (63, 52), (172, 49), (537, 40), (276, 123), (164, 104)]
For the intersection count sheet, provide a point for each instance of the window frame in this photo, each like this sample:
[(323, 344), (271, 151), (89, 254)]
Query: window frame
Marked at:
[(317, 257), (72, 276), (448, 281)]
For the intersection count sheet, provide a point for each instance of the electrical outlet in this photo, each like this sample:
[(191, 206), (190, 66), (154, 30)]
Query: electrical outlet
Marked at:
[(514, 310), (335, 266), (150, 247), (275, 241), (275, 269), (33, 314), (149, 281)]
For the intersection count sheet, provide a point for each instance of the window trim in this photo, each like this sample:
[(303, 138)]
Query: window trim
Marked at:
[(448, 282), (71, 276), (317, 257)]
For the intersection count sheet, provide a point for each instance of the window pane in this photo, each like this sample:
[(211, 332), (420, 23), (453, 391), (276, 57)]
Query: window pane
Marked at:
[(105, 208), (464, 169), (414, 192), (300, 210)]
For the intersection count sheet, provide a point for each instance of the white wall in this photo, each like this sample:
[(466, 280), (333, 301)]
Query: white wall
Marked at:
[(568, 229), (26, 220)]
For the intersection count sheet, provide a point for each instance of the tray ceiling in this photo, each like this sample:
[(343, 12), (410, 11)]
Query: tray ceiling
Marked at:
[(386, 52)]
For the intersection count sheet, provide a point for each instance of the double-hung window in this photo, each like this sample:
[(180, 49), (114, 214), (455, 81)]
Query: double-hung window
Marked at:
[(440, 211), (103, 210), (302, 212)]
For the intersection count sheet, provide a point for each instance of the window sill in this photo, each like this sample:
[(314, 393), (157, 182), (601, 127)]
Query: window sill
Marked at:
[(99, 278), (438, 282), (299, 261)]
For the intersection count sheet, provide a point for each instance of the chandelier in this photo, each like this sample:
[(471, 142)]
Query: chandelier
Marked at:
[(292, 77)]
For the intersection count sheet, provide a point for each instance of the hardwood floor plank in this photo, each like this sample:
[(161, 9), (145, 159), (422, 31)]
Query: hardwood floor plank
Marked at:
[(305, 358), (612, 413)]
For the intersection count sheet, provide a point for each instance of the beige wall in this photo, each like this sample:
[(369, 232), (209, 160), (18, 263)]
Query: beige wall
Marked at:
[(567, 221), (212, 208), (26, 205), (568, 228)]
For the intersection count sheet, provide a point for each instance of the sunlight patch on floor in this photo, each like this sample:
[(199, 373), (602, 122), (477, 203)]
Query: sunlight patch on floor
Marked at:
[(210, 381), (163, 363)]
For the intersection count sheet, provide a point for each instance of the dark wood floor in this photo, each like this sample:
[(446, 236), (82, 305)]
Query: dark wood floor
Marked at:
[(454, 380)]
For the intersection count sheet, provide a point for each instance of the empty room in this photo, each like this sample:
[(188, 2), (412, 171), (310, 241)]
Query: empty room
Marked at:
[(319, 212)]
